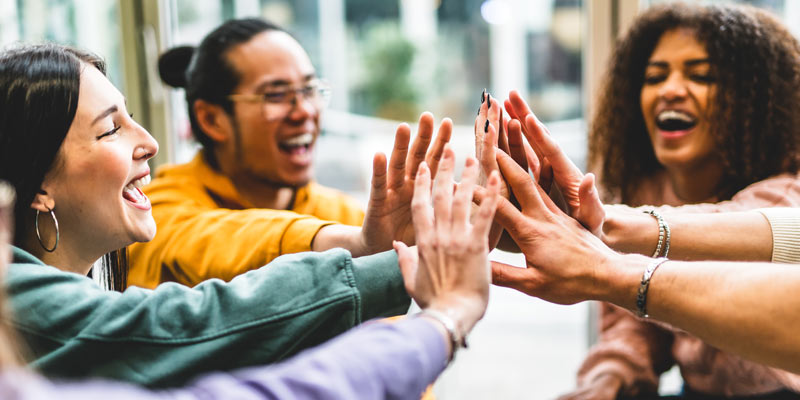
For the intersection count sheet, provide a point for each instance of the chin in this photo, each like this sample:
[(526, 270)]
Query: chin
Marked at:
[(675, 158), (297, 180), (145, 232)]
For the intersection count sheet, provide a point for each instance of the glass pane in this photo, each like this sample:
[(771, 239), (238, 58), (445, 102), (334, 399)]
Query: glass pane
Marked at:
[(91, 25)]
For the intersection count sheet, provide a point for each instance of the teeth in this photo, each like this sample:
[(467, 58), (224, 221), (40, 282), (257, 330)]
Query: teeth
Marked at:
[(673, 114), (299, 140), (139, 183)]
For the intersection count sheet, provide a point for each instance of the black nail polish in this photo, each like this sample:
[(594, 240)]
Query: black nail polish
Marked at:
[(483, 96), (489, 98), (486, 127)]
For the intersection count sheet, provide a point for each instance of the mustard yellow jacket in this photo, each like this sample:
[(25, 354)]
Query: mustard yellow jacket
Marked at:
[(207, 230)]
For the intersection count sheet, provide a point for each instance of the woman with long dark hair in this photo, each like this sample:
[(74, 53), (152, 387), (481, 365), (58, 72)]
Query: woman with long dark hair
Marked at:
[(78, 161), (378, 361)]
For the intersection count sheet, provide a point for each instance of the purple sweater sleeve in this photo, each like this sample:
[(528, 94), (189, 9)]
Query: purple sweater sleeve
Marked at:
[(378, 360)]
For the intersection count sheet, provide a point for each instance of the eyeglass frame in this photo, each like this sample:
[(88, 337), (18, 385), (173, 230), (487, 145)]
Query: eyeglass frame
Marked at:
[(320, 88)]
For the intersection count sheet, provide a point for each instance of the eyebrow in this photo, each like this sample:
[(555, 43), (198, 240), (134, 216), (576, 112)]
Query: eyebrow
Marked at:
[(688, 63), (107, 112), (283, 82)]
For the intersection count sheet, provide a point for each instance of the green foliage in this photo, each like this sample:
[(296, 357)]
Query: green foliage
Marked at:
[(388, 89)]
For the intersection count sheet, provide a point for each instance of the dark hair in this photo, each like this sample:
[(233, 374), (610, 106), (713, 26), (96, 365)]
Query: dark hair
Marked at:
[(205, 71), (756, 111), (39, 87)]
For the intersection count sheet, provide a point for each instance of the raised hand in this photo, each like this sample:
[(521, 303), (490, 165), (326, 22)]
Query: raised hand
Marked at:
[(449, 270), (388, 215), (578, 190), (561, 256)]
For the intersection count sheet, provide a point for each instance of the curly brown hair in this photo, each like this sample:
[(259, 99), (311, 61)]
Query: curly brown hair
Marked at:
[(756, 112)]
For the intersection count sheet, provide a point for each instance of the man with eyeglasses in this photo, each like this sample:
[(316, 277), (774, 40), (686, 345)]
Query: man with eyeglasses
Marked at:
[(248, 196)]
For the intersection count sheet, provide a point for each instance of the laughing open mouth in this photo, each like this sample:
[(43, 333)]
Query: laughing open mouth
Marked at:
[(133, 191), (673, 120), (299, 143)]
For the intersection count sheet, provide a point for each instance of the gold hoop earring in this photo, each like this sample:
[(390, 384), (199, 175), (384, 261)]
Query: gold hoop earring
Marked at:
[(39, 235)]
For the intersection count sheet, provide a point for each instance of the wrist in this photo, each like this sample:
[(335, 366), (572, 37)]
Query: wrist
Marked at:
[(463, 311), (630, 232), (616, 230), (620, 278), (347, 237)]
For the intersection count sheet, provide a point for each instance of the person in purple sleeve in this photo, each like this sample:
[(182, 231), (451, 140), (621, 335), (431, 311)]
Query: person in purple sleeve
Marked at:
[(447, 274)]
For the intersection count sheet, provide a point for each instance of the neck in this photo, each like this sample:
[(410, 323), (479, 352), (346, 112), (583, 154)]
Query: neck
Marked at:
[(257, 191), (695, 185), (66, 257), (264, 194)]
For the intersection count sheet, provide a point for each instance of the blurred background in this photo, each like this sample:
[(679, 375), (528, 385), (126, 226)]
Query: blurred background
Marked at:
[(387, 61)]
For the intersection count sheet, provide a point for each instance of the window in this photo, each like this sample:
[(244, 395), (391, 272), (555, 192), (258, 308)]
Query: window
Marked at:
[(90, 25)]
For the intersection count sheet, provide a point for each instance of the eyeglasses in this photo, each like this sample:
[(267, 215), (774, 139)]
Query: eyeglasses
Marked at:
[(277, 103)]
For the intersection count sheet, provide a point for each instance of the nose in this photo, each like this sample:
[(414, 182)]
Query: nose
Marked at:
[(147, 146), (674, 87), (302, 107)]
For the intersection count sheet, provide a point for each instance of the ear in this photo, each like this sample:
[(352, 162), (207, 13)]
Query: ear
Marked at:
[(215, 122), (43, 202)]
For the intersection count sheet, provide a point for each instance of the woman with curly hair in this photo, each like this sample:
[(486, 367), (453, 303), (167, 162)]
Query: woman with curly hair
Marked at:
[(718, 129)]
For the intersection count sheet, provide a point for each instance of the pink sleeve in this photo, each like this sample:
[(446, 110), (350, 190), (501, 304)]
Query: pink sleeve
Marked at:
[(639, 351), (635, 350), (779, 191)]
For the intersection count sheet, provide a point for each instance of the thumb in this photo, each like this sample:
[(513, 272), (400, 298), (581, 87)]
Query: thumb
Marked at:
[(590, 213), (407, 260), (512, 277)]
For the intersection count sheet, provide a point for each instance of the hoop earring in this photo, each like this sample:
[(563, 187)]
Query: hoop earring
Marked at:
[(39, 235)]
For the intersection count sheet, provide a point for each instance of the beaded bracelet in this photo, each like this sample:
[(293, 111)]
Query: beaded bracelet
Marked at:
[(664, 233)]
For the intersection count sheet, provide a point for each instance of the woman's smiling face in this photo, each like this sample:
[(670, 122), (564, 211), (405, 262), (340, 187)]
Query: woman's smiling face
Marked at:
[(95, 180), (676, 100)]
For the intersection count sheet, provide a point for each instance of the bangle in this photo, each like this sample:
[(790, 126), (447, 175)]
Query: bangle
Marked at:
[(641, 294), (457, 339), (664, 233)]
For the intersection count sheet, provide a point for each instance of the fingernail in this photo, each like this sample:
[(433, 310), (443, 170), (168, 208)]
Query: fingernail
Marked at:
[(486, 127), (483, 96), (489, 98)]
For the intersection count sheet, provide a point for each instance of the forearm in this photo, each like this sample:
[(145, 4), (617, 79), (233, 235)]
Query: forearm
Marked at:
[(343, 236), (746, 308), (739, 236)]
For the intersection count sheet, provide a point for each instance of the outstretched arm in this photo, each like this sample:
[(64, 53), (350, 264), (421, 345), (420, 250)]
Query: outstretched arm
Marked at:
[(749, 309)]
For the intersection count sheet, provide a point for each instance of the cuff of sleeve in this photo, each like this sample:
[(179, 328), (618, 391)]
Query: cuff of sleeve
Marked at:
[(630, 385), (298, 236), (607, 368), (785, 224), (380, 285)]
